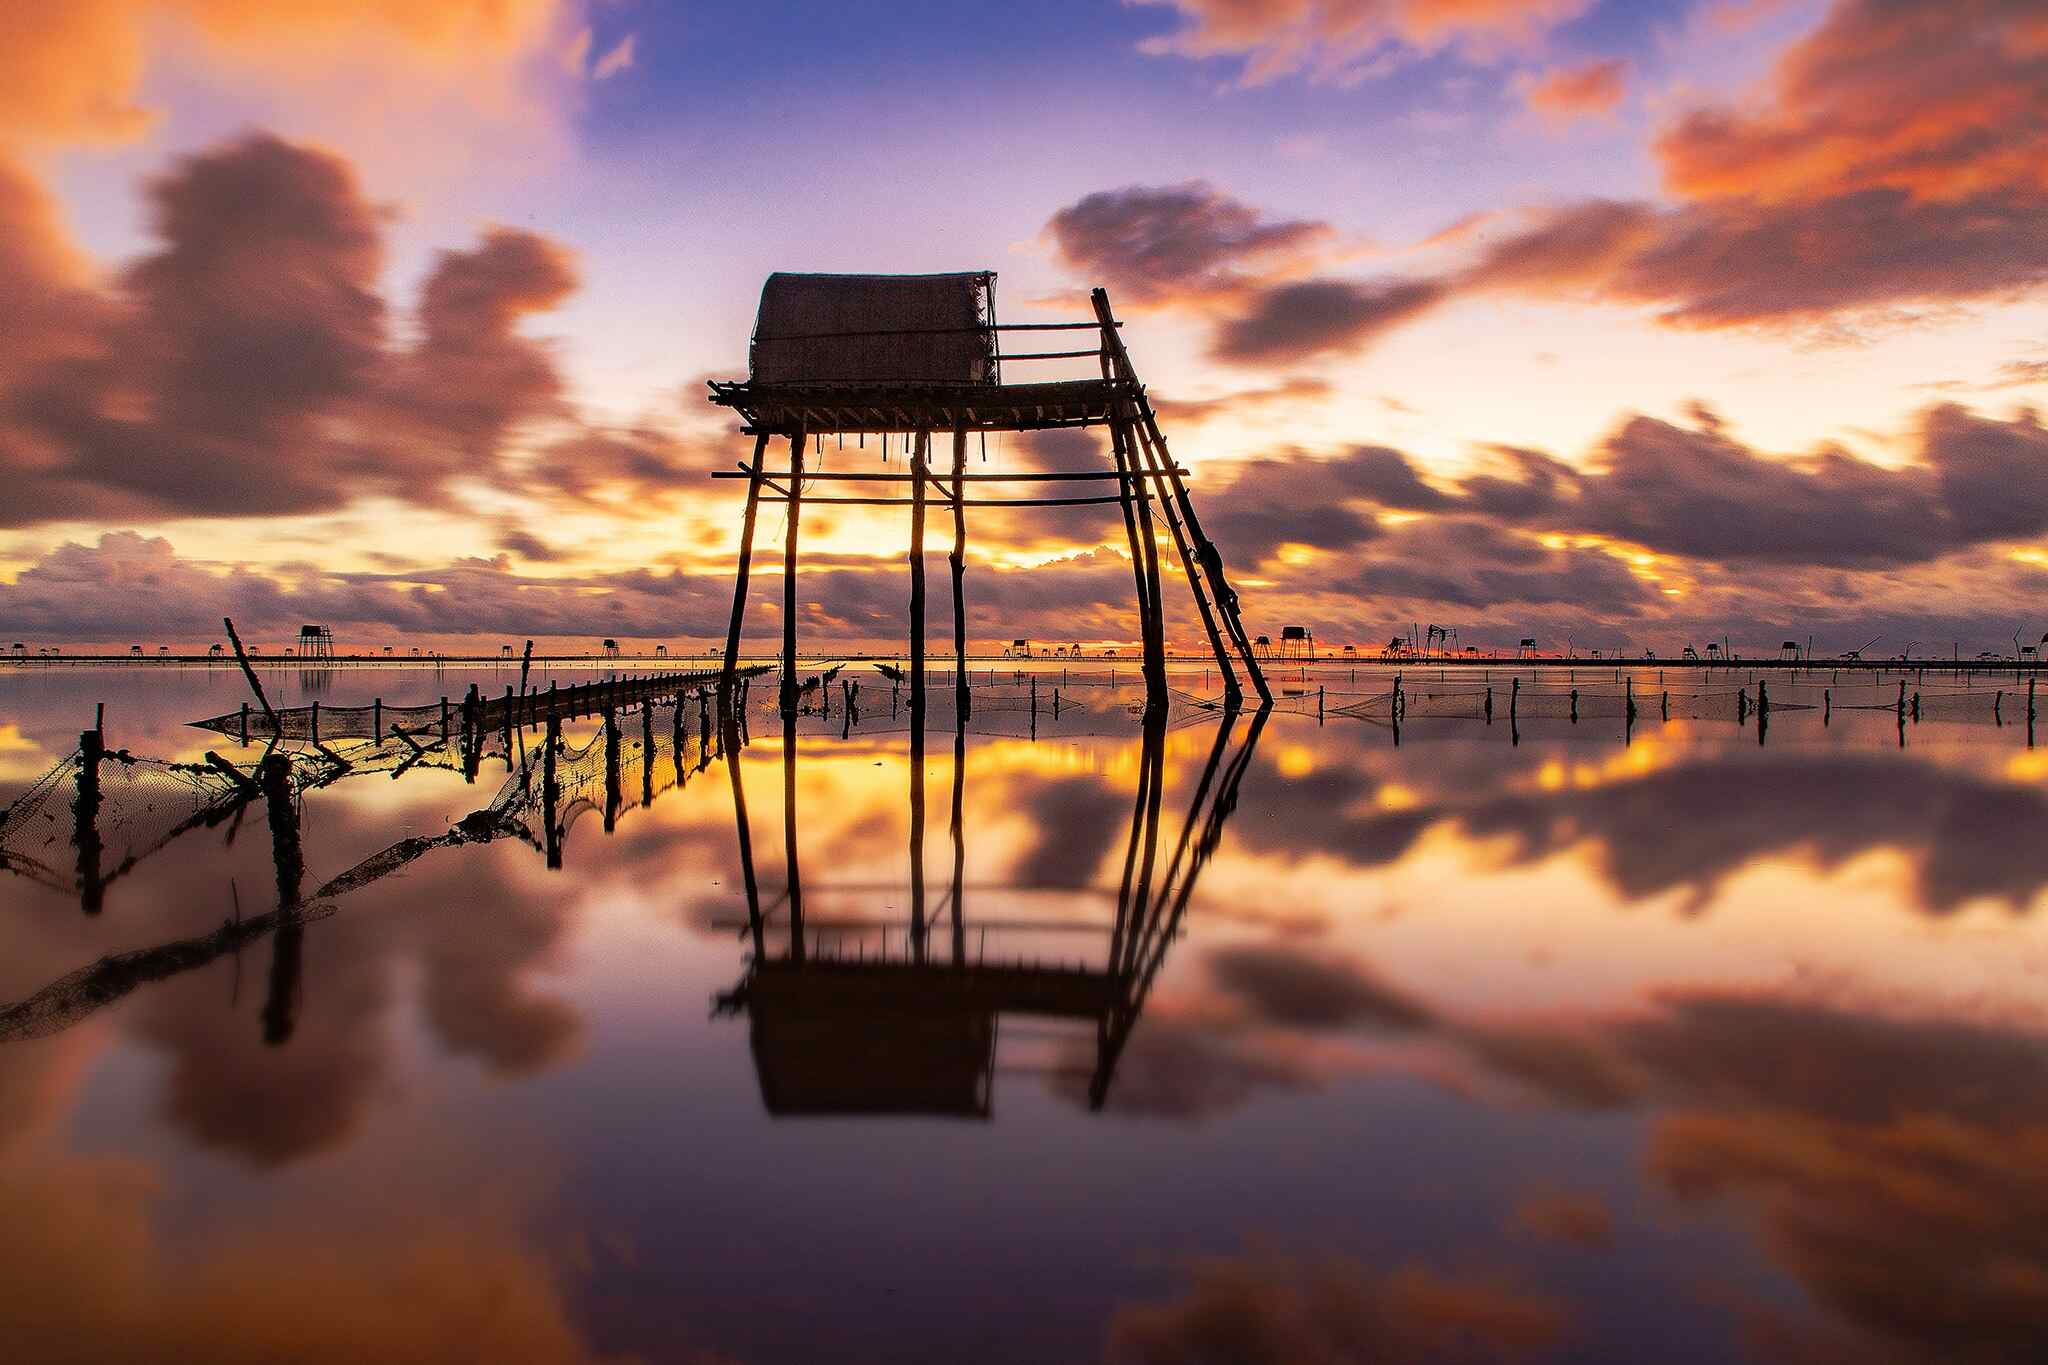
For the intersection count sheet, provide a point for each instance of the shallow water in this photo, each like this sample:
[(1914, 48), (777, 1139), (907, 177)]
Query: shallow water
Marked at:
[(1284, 1039)]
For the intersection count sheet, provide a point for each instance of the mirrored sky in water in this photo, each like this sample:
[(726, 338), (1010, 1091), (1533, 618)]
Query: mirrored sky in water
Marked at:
[(1260, 1039)]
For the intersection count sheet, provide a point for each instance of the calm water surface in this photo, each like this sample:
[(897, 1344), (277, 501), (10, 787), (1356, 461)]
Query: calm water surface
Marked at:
[(1254, 1041)]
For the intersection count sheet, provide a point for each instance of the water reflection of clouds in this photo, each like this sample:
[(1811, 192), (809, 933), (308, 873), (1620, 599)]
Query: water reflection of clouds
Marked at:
[(1839, 1041), (1898, 1158)]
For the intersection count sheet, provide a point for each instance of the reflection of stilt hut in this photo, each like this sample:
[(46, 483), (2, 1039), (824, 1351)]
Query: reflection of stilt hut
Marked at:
[(848, 1018), (896, 358)]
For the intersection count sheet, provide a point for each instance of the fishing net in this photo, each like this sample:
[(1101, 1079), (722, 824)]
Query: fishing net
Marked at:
[(77, 828)]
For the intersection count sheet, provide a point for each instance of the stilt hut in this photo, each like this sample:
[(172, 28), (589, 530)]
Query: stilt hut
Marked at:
[(896, 358)]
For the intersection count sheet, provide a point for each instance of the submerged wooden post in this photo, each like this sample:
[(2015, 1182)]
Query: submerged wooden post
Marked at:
[(281, 1007), (85, 812), (739, 590), (255, 684), (917, 482), (963, 700), (646, 754), (789, 606), (551, 790), (612, 798)]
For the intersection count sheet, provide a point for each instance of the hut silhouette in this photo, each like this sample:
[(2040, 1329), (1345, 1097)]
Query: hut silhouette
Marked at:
[(901, 357)]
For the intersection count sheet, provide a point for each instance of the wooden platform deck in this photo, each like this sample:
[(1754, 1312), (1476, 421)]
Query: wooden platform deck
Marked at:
[(822, 409)]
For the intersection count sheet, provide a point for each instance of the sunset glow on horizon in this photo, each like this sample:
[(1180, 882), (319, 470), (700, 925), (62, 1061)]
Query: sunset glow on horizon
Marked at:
[(1639, 324)]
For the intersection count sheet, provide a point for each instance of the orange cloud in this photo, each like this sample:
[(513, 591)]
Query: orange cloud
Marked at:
[(1259, 1309), (1574, 92), (1347, 40), (72, 72), (88, 1279), (620, 58), (1942, 102)]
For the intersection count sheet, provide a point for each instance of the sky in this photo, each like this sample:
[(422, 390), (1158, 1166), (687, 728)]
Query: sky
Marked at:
[(1619, 323)]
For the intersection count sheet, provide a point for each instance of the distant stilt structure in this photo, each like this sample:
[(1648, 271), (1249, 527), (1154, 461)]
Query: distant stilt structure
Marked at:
[(917, 354)]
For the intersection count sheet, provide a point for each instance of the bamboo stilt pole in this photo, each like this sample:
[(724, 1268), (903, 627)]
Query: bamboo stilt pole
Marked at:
[(962, 698), (1233, 695), (919, 454), (739, 590), (789, 603)]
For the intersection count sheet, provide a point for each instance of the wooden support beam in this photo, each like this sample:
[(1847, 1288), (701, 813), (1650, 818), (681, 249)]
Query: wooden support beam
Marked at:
[(965, 502), (1117, 366), (858, 476), (962, 699), (1145, 553), (727, 674), (1233, 695), (789, 603), (918, 466)]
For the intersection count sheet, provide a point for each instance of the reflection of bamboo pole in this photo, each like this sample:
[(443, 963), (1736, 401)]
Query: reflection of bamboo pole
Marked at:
[(646, 753), (729, 741), (794, 891), (1164, 920), (612, 798), (959, 839), (281, 1006)]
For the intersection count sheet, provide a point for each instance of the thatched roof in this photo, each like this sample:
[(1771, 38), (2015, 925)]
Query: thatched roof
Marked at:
[(875, 329)]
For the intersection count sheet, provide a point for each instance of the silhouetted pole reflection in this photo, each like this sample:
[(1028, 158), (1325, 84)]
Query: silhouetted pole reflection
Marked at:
[(551, 792), (794, 887), (1143, 846), (612, 797), (853, 1033), (647, 753), (281, 1004), (86, 822), (959, 838), (917, 903), (1163, 929)]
